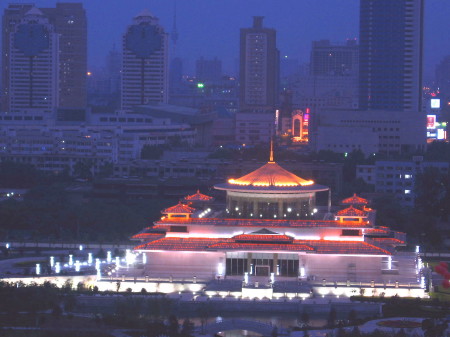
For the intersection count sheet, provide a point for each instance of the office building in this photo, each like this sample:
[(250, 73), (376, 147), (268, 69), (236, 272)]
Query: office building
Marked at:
[(145, 62), (334, 59), (391, 47), (259, 66), (384, 131), (68, 21), (259, 77), (398, 177), (33, 66)]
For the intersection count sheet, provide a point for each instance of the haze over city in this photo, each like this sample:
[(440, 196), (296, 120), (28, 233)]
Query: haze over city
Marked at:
[(211, 28)]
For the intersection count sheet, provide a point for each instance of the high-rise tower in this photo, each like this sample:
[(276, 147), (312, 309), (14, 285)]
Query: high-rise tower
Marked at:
[(145, 62), (68, 20), (33, 66), (391, 45), (259, 66)]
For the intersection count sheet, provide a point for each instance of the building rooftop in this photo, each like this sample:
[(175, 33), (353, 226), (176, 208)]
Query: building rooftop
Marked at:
[(198, 197), (351, 211), (312, 246), (180, 209), (355, 200)]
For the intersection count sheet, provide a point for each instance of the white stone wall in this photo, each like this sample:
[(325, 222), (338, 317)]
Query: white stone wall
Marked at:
[(336, 267), (183, 264)]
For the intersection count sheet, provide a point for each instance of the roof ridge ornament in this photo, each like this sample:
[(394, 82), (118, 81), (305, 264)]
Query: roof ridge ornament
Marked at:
[(271, 151)]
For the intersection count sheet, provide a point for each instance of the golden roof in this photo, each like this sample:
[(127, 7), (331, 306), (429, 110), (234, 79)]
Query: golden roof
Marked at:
[(271, 174)]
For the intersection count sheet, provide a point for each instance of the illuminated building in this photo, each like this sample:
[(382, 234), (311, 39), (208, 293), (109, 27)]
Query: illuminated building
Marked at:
[(261, 234)]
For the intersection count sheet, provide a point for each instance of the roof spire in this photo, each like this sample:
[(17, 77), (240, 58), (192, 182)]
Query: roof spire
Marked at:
[(271, 150)]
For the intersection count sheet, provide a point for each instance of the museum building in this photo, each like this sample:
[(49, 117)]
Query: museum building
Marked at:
[(270, 229)]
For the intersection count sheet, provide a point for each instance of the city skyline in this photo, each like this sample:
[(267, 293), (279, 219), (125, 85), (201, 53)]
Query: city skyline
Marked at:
[(297, 25)]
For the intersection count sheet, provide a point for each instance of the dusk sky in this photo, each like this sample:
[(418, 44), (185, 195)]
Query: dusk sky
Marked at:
[(211, 27)]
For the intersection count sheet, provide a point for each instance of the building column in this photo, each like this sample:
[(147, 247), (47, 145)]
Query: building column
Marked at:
[(280, 209), (329, 200), (275, 263), (249, 262)]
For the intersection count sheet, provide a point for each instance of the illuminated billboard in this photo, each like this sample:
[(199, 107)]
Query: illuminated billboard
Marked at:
[(431, 121), (435, 103)]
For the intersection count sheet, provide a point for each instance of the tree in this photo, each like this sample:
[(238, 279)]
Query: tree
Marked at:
[(187, 329), (352, 316), (173, 327), (204, 312), (332, 317), (82, 169), (70, 301), (432, 189), (304, 318)]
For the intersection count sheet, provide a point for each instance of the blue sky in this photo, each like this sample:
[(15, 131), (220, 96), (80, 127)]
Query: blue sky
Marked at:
[(211, 27)]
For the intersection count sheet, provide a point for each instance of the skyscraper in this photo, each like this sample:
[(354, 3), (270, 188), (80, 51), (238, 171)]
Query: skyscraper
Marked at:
[(391, 44), (33, 66), (331, 59), (259, 78), (145, 62), (259, 66), (68, 20)]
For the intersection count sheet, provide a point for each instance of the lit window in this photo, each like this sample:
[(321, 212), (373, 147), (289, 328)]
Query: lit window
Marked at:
[(407, 191)]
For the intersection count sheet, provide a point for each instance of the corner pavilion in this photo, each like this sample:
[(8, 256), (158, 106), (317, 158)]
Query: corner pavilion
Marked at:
[(268, 232)]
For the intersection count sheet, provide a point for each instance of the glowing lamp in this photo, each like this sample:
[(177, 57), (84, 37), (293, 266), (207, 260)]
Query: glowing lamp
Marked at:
[(77, 266)]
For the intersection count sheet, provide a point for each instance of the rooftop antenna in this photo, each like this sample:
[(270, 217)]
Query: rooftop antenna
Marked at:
[(174, 33)]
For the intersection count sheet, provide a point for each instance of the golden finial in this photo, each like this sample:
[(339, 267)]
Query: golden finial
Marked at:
[(271, 150)]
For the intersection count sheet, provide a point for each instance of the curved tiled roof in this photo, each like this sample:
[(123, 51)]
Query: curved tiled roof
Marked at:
[(311, 246), (180, 208), (271, 174), (198, 197), (262, 238), (351, 211), (355, 200)]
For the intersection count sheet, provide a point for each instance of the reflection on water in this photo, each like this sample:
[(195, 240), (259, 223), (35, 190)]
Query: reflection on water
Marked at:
[(239, 333)]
